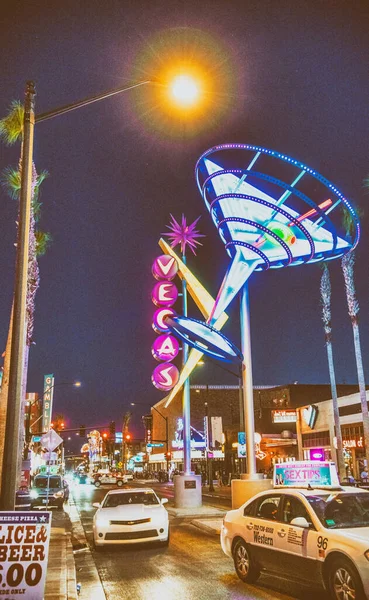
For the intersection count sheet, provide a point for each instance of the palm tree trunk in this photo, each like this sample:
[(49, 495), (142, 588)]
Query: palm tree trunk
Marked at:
[(4, 394), (361, 381), (336, 414)]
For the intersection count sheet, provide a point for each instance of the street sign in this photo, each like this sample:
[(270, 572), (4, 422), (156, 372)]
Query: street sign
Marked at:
[(153, 445), (51, 440)]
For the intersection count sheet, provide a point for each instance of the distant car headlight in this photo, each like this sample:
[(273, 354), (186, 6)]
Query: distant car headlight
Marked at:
[(33, 494), (366, 554), (58, 494)]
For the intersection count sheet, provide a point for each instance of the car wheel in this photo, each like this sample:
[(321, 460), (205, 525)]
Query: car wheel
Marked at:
[(97, 483), (95, 547), (344, 582), (243, 563), (119, 483)]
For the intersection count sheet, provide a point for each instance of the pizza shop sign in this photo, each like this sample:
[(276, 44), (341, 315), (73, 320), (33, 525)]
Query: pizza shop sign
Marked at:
[(24, 547)]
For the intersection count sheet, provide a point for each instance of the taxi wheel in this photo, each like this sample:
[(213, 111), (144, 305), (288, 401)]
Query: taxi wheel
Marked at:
[(97, 483), (344, 581), (119, 483), (243, 563)]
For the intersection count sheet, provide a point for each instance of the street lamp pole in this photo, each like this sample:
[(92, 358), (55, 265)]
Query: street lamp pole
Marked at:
[(17, 383), (16, 379)]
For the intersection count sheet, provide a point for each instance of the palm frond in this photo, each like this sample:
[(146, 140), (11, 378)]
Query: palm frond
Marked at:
[(11, 182), (11, 126), (43, 241)]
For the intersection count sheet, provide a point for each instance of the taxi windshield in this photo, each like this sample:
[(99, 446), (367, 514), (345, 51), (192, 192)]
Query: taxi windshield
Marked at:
[(338, 511)]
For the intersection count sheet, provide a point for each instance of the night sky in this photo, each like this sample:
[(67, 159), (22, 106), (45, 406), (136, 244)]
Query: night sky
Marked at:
[(288, 75)]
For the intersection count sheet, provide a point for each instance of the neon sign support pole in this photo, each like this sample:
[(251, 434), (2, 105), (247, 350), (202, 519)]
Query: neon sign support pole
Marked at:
[(186, 405), (248, 399)]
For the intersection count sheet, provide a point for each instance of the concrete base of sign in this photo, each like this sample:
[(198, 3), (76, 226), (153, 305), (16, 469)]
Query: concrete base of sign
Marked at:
[(243, 489), (187, 491)]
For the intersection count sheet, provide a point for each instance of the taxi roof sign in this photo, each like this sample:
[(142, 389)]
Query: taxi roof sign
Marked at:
[(311, 473)]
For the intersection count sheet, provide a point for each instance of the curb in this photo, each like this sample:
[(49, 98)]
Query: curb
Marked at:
[(88, 575), (204, 526), (71, 571)]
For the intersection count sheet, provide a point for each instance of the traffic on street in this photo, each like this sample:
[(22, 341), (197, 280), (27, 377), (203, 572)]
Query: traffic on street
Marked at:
[(191, 566)]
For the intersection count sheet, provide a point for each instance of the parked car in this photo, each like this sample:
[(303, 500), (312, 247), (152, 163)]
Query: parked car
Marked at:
[(50, 490), (130, 516)]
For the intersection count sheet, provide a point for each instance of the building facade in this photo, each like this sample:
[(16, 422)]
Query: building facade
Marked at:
[(275, 413)]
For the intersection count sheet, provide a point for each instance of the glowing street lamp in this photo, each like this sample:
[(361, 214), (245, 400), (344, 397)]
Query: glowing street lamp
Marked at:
[(16, 372), (185, 90)]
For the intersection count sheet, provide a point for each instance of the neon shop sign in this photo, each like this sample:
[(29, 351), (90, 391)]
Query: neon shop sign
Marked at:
[(165, 347)]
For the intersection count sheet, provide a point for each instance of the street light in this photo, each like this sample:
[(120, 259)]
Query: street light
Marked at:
[(16, 375)]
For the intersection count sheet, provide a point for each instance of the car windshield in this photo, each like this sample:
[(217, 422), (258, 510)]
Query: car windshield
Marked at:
[(41, 482), (338, 511), (147, 498)]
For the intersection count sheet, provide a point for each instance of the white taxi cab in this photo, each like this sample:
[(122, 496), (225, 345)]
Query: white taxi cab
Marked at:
[(307, 528)]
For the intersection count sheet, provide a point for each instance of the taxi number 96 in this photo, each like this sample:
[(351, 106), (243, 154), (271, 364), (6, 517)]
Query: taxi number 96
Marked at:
[(322, 542)]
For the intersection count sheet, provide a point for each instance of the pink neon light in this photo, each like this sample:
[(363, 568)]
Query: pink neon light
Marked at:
[(313, 211), (165, 267)]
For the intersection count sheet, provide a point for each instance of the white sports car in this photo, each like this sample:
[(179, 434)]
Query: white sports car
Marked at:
[(305, 535), (130, 516)]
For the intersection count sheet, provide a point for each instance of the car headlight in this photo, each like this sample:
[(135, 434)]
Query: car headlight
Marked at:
[(101, 522), (366, 554), (33, 494), (58, 494)]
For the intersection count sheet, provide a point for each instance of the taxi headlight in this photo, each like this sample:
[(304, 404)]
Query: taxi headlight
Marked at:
[(33, 494), (366, 554)]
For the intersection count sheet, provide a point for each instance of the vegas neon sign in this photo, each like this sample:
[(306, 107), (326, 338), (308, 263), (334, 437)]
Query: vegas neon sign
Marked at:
[(165, 347)]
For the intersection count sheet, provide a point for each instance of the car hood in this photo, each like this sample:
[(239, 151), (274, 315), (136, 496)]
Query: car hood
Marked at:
[(130, 511), (357, 534)]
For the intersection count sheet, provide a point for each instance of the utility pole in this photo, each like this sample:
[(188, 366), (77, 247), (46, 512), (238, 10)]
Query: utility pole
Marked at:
[(17, 381)]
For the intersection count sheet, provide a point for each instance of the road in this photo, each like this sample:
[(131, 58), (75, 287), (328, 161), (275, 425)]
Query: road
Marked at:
[(193, 567)]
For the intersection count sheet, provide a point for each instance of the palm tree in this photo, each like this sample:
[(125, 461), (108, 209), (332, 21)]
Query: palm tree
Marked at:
[(11, 130), (353, 309), (325, 293)]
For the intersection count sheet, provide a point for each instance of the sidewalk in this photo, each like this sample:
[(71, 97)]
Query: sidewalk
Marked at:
[(61, 572)]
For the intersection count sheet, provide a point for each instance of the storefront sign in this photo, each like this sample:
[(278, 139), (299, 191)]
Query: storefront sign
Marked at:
[(354, 443), (47, 401), (284, 416), (304, 473), (316, 454), (24, 548)]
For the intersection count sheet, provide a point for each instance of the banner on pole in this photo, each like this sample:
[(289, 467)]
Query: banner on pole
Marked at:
[(24, 549), (47, 401)]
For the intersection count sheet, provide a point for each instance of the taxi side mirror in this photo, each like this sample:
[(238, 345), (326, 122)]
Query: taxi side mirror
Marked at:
[(164, 500), (300, 522), (96, 505)]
